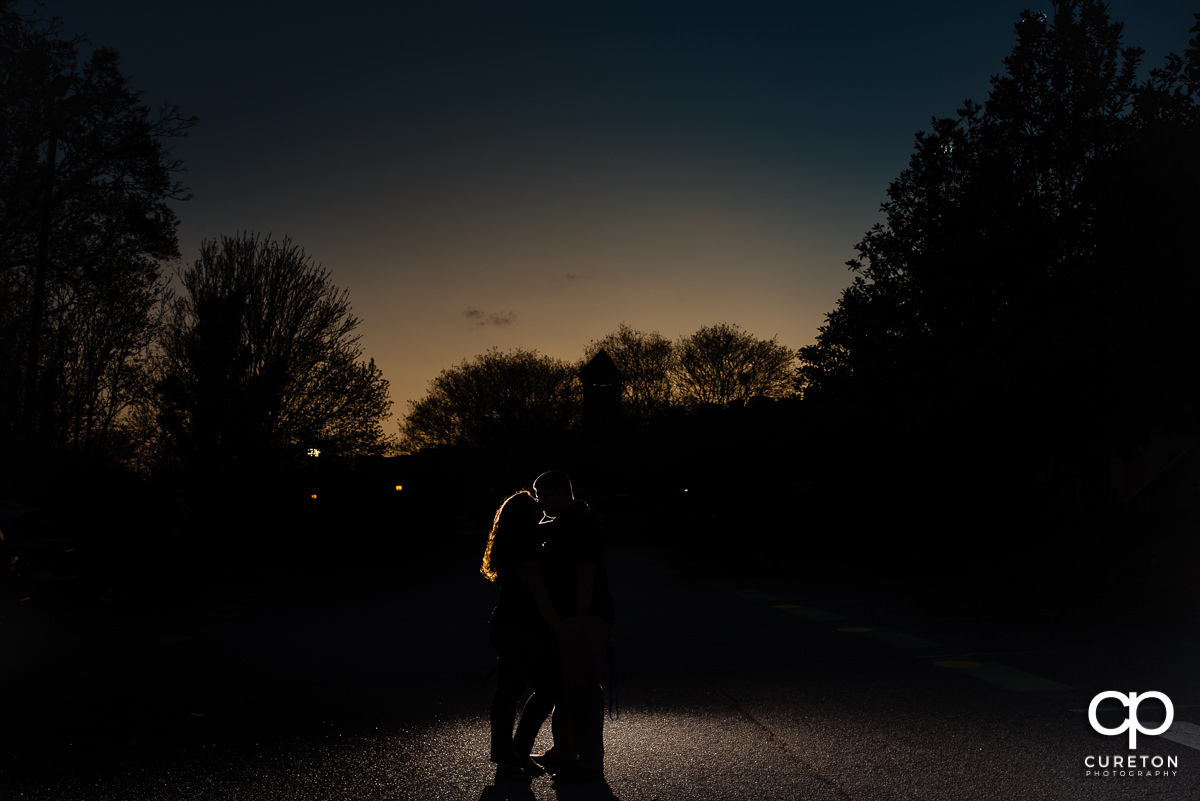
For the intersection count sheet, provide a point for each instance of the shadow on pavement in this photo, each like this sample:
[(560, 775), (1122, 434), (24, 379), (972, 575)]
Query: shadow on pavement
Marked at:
[(522, 791)]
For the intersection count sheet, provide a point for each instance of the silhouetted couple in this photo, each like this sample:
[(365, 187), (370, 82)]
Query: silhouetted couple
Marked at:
[(550, 627)]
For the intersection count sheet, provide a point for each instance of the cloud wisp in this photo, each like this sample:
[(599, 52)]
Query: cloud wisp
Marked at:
[(499, 319)]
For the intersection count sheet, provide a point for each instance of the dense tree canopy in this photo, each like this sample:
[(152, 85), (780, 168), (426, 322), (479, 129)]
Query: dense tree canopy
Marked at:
[(497, 400), (1034, 269), (722, 364), (86, 182), (259, 362)]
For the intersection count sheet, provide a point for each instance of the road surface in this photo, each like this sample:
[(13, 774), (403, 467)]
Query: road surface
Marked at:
[(812, 683)]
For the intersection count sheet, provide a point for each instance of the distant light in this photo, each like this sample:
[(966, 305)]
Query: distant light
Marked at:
[(313, 452), (313, 496), (399, 487)]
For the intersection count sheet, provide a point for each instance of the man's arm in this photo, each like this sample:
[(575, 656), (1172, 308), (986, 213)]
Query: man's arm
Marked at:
[(585, 586), (530, 573)]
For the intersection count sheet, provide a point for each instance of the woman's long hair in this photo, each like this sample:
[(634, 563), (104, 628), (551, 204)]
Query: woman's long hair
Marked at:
[(504, 517)]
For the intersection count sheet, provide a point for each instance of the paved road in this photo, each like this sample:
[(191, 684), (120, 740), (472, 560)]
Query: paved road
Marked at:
[(801, 686)]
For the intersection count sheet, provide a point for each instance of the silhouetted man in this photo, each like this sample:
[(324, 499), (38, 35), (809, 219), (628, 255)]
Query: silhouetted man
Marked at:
[(577, 578)]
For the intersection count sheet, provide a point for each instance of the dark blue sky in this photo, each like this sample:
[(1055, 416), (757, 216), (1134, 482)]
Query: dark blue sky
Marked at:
[(520, 174)]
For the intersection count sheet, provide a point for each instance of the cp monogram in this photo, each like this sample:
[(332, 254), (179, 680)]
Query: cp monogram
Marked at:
[(1131, 723)]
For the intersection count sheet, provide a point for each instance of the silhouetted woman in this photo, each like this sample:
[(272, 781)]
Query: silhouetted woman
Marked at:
[(522, 628)]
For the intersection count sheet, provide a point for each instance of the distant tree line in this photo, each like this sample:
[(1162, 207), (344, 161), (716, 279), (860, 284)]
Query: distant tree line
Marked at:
[(507, 399), (252, 362)]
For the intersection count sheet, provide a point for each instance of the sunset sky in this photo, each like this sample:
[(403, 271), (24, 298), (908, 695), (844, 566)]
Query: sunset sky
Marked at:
[(515, 174)]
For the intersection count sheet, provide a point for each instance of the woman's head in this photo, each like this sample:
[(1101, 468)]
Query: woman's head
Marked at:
[(520, 507), (517, 509)]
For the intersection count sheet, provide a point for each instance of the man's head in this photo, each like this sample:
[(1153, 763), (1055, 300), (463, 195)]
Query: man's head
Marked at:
[(553, 492)]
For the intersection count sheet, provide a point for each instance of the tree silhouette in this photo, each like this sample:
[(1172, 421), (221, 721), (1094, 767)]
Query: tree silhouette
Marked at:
[(259, 363), (85, 184), (998, 296), (722, 364), (496, 400), (647, 362)]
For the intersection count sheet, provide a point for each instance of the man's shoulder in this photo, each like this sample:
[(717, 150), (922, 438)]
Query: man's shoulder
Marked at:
[(578, 513), (581, 520)]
